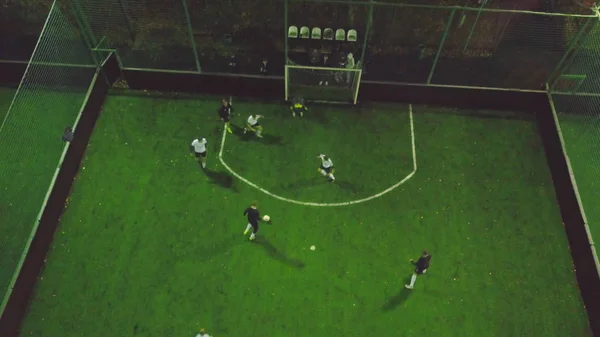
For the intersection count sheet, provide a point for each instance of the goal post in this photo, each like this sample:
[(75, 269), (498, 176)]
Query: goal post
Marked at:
[(322, 84)]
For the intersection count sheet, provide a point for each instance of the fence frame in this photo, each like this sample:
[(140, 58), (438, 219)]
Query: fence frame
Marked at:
[(86, 31), (191, 32), (559, 72), (441, 45), (573, 179), (17, 271), (15, 305), (372, 4), (38, 217), (572, 50)]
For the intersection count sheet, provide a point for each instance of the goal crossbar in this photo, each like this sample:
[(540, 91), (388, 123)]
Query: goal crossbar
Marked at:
[(323, 68)]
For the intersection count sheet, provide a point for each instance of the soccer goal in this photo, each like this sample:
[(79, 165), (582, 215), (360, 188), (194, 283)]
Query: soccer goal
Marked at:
[(321, 84)]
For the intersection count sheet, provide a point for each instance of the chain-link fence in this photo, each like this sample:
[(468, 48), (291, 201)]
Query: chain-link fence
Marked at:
[(181, 35), (150, 34), (575, 92), (20, 26), (461, 46), (502, 44), (489, 44), (47, 101)]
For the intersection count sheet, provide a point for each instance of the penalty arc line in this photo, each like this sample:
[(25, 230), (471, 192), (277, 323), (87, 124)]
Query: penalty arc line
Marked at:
[(335, 204)]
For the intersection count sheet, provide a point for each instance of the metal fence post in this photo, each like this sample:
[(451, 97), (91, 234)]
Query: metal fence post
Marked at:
[(499, 39), (439, 51), (127, 21), (367, 33), (89, 39), (568, 61), (473, 27), (285, 32), (191, 32)]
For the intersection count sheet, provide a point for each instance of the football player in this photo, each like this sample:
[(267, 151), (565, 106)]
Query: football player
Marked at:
[(420, 268), (298, 107), (253, 125), (253, 216), (326, 168), (350, 64), (198, 146), (225, 112)]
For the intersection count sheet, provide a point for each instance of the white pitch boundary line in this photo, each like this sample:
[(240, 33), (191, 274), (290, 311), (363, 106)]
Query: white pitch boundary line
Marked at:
[(335, 204)]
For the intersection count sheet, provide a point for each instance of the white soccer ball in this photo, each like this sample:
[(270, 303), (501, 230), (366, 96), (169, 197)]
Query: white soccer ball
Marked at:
[(266, 218)]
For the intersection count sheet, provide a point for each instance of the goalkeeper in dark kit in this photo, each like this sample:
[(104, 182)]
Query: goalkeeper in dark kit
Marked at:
[(298, 107)]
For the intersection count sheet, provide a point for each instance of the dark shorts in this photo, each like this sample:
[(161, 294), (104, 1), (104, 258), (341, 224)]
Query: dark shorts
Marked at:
[(418, 271), (225, 119), (254, 125), (327, 169), (254, 226), (200, 154)]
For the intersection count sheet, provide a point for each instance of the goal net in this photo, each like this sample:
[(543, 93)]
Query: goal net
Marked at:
[(321, 84)]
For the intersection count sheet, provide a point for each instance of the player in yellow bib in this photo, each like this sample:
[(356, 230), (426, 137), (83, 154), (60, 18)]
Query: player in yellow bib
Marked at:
[(298, 107)]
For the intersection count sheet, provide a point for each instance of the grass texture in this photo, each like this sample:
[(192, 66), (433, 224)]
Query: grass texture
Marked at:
[(150, 245), (30, 150)]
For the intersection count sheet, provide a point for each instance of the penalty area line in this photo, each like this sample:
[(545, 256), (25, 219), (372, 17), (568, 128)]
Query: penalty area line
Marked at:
[(334, 204)]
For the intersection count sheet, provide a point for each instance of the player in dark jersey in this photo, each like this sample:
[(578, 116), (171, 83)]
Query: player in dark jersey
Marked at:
[(298, 107), (339, 75), (420, 268), (253, 216), (225, 112)]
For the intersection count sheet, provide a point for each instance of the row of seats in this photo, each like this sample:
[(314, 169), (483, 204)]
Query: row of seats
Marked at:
[(305, 33)]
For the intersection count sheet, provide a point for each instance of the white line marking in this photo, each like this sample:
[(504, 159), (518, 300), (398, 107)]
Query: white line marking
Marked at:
[(335, 204)]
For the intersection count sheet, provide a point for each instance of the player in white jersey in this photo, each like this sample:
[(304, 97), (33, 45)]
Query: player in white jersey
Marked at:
[(350, 64), (253, 125), (199, 148), (326, 168)]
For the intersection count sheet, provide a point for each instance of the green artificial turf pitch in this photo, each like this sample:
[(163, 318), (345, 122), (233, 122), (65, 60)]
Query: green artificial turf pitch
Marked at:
[(150, 245)]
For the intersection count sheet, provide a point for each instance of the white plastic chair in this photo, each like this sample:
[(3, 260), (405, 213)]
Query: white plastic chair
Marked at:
[(316, 33), (293, 32), (304, 32), (352, 35), (340, 35), (328, 34)]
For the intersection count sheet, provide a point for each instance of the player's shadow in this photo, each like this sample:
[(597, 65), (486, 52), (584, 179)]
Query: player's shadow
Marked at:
[(266, 139), (396, 300), (221, 179), (350, 187), (272, 140), (278, 254)]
